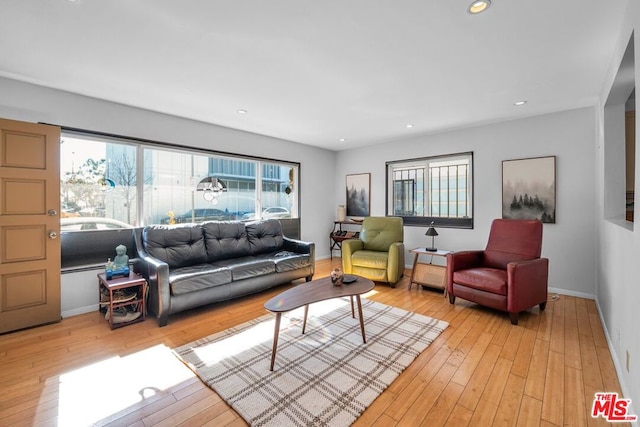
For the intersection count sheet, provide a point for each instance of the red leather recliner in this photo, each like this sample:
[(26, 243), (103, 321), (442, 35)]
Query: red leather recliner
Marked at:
[(508, 275)]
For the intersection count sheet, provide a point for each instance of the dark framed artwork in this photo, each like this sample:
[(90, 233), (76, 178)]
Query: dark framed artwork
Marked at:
[(529, 189), (358, 194)]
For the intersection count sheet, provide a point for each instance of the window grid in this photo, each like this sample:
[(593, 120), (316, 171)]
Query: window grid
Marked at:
[(434, 188)]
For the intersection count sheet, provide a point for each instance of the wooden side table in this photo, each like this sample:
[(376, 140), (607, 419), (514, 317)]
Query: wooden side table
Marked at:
[(428, 274), (134, 285), (336, 237)]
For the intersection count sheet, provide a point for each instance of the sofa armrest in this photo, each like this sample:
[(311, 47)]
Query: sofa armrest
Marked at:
[(156, 273), (395, 263), (527, 284), (298, 246), (302, 247), (348, 248)]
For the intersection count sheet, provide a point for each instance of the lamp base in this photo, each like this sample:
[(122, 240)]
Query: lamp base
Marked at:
[(431, 249)]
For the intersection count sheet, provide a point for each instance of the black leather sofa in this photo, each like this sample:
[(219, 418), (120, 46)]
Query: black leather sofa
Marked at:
[(189, 265)]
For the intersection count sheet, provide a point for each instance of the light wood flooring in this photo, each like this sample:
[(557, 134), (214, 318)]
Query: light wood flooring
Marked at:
[(481, 371)]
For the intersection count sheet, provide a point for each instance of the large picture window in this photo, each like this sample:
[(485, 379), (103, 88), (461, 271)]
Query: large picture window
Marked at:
[(110, 184), (432, 189)]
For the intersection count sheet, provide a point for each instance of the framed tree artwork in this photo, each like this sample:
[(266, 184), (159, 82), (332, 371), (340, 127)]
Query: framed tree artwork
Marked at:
[(358, 194), (529, 189)]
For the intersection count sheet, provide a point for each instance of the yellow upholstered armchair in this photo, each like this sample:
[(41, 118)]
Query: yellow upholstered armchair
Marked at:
[(379, 252)]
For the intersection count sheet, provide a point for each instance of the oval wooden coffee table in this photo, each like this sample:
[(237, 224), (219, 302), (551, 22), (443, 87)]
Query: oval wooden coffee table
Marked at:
[(315, 291)]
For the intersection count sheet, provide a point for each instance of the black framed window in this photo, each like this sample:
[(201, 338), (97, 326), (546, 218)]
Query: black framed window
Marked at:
[(111, 184), (435, 189)]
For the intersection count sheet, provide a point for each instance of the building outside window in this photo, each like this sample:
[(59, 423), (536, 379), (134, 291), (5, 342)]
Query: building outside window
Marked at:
[(121, 183), (437, 189)]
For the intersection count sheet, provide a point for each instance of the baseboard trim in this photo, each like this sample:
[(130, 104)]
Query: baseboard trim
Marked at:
[(571, 293), (80, 310), (616, 360)]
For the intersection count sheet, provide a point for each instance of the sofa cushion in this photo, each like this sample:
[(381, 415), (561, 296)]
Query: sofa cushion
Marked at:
[(485, 279), (225, 240), (247, 267), (289, 261), (192, 278), (177, 245), (264, 236), (370, 259)]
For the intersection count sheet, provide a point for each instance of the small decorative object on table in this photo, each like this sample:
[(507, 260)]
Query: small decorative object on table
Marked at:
[(349, 278), (337, 276), (119, 267)]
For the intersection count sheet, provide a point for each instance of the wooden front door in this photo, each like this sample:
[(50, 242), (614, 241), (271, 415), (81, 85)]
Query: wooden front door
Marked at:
[(29, 225)]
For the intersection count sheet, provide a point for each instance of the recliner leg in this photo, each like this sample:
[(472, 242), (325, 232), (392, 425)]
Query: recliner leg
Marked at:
[(543, 305), (452, 298), (514, 318)]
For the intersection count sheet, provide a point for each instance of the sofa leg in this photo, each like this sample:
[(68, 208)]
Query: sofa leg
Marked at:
[(514, 318), (163, 320), (543, 305), (308, 278), (452, 298)]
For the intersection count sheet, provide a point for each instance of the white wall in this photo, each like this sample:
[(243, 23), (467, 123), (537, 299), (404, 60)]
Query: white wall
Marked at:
[(569, 243), (618, 286), (21, 101)]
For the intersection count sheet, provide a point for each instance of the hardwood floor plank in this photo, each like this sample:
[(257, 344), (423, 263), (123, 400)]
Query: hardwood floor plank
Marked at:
[(497, 381), (406, 398), (481, 369), (575, 410), (479, 378), (512, 342), (509, 406), (554, 389), (428, 397), (591, 374), (522, 359), (440, 411), (537, 376), (460, 416), (484, 414), (530, 412), (608, 371), (469, 364), (571, 335)]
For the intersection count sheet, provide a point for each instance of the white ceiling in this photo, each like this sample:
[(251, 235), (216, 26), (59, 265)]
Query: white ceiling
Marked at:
[(316, 71)]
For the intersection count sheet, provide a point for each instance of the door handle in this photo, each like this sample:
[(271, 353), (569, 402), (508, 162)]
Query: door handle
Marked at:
[(53, 234), (52, 212)]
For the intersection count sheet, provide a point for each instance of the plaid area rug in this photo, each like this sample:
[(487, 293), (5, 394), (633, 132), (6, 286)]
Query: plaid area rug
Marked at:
[(326, 377)]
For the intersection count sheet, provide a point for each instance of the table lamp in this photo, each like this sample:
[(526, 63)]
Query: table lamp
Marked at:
[(433, 233)]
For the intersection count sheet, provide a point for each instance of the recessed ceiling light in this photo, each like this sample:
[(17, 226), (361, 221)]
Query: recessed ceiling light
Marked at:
[(478, 6), (409, 125), (343, 139), (242, 111), (519, 103)]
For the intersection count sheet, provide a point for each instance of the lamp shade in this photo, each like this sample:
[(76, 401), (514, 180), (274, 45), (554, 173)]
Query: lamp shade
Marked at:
[(431, 232)]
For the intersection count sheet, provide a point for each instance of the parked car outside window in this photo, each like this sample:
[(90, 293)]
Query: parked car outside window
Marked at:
[(91, 223), (268, 213), (200, 215), (275, 212)]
